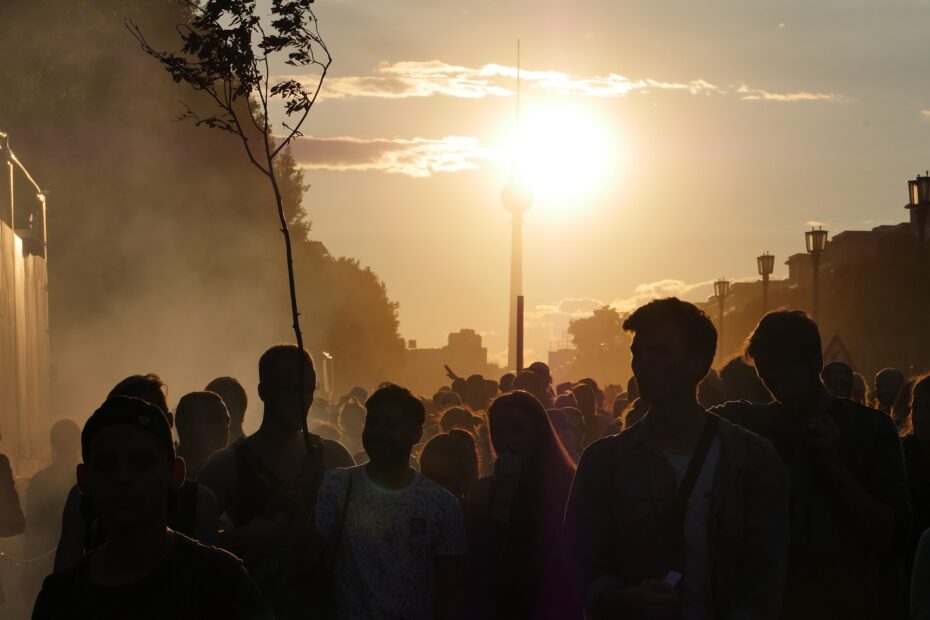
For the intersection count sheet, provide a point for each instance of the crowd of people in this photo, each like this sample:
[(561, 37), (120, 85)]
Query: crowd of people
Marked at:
[(775, 488)]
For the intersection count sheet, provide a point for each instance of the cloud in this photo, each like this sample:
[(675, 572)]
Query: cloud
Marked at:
[(428, 78), (925, 113), (406, 79), (416, 157), (645, 293), (756, 94)]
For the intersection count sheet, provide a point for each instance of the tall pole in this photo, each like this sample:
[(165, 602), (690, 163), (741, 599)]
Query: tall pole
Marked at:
[(721, 347), (765, 293), (520, 333), (815, 285)]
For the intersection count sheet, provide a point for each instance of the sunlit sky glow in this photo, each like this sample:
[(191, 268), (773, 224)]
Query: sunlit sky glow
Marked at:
[(668, 143)]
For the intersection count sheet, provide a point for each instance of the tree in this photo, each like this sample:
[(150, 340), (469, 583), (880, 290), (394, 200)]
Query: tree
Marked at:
[(227, 54), (602, 347), (160, 232)]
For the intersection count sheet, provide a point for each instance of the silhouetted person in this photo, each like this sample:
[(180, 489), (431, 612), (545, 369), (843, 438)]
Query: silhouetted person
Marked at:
[(352, 421), (203, 423), (143, 570), (451, 461), (12, 521), (920, 580), (236, 401), (49, 487), (192, 508), (740, 382), (838, 379), (459, 417), (267, 483), (398, 536), (516, 564), (916, 444), (887, 384), (534, 384), (506, 382), (711, 391), (850, 512), (684, 514), (594, 422), (573, 439)]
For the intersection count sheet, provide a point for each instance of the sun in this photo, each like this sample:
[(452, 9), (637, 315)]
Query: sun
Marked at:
[(564, 153)]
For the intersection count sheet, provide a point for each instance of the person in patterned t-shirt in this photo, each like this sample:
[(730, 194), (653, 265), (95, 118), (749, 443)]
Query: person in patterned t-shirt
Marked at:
[(398, 537)]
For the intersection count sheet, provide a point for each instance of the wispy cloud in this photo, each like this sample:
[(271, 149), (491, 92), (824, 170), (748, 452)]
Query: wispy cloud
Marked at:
[(757, 94), (416, 157), (925, 113), (401, 80), (644, 293), (424, 79)]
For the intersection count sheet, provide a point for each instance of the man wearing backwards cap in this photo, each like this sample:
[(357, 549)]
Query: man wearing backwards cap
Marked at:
[(144, 569)]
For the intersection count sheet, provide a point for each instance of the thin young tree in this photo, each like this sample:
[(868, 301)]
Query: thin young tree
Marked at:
[(227, 53)]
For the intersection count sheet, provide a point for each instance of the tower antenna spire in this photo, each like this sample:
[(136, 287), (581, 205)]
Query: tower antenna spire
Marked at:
[(518, 89)]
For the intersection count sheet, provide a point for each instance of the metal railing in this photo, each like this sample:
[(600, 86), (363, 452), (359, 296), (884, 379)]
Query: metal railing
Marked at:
[(28, 221)]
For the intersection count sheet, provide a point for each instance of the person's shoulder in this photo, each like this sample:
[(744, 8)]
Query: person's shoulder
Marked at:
[(754, 447), (225, 459), (862, 415), (4, 461), (335, 454), (435, 492)]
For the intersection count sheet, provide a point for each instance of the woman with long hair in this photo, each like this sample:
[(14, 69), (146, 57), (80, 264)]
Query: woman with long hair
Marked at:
[(514, 517)]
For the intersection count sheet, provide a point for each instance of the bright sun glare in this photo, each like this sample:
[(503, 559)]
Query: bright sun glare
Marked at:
[(564, 153)]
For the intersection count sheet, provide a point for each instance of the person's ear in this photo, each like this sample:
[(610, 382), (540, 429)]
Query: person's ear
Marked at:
[(82, 479), (178, 472)]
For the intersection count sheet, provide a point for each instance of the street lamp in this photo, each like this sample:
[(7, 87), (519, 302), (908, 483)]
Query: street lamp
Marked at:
[(816, 239), (766, 264), (721, 289), (919, 194)]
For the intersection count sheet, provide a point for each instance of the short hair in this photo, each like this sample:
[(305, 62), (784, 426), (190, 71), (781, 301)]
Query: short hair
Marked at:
[(233, 395), (149, 388), (400, 397), (65, 436), (459, 417), (351, 412), (699, 336), (788, 337), (270, 360), (199, 407), (838, 368), (129, 411)]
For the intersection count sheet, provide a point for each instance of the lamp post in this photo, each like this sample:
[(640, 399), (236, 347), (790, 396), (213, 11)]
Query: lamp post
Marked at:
[(721, 290), (919, 193), (766, 264), (816, 239)]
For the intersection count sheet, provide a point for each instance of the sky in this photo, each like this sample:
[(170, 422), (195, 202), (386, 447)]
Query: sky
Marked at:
[(668, 144)]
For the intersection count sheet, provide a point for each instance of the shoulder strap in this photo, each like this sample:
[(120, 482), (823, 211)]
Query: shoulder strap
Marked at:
[(697, 461)]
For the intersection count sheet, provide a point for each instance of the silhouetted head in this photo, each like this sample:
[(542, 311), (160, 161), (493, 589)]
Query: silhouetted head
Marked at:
[(920, 409), (233, 395), (786, 350), (149, 388), (393, 424), (566, 400), (202, 421), (282, 371), (740, 382), (506, 382), (541, 370), (530, 382), (521, 428), (673, 347), (860, 388), (65, 437), (838, 378), (887, 383), (359, 393), (352, 421), (598, 393), (575, 423), (447, 399), (129, 464), (326, 431), (585, 399), (710, 390), (459, 417), (635, 412), (451, 461)]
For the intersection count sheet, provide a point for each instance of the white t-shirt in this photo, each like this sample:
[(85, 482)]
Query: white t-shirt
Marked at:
[(696, 579), (384, 562)]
